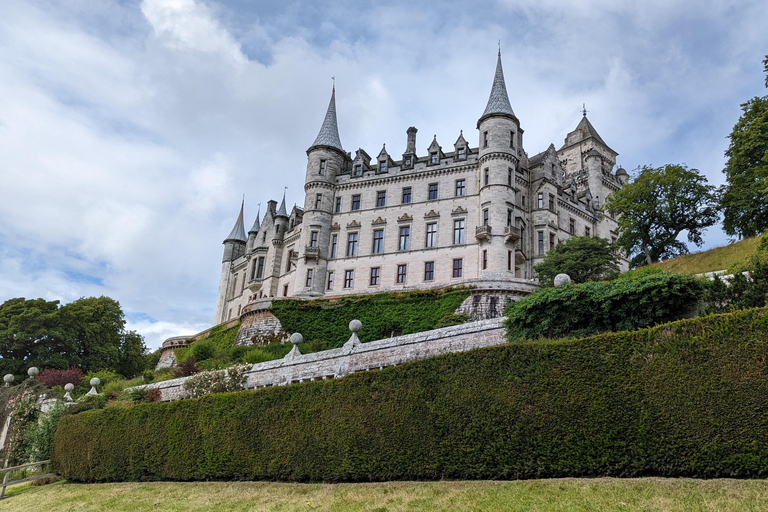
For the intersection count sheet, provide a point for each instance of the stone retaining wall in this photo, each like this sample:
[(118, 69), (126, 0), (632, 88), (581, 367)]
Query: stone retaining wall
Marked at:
[(355, 356)]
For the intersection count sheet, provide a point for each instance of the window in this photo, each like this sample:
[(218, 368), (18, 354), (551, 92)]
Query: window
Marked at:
[(432, 191), (486, 176), (285, 290), (432, 235), (523, 198), (485, 259), (356, 202), (586, 231), (309, 278), (429, 271), (313, 239), (334, 242), (318, 201), (540, 201), (401, 273), (234, 288), (458, 266), (512, 139), (551, 203), (378, 241), (433, 158), (352, 244), (458, 231), (349, 278), (509, 260), (461, 186), (613, 240), (381, 198), (260, 268), (375, 276), (358, 170), (485, 217), (541, 243), (288, 261), (461, 154), (405, 238), (551, 240), (338, 204), (485, 139), (406, 195), (509, 177), (383, 166), (330, 281), (572, 227), (509, 217), (322, 167)]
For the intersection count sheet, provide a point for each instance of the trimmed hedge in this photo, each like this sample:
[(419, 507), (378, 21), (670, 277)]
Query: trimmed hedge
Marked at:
[(680, 399), (382, 314), (637, 299)]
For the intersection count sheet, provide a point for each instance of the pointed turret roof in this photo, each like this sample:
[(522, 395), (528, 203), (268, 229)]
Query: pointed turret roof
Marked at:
[(238, 231), (256, 224), (282, 211), (329, 131), (498, 102), (584, 131)]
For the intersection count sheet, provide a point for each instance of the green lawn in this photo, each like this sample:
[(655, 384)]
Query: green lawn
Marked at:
[(719, 258), (568, 494)]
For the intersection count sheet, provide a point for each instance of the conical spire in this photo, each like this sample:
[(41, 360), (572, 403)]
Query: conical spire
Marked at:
[(282, 211), (257, 223), (329, 132), (498, 102), (238, 232)]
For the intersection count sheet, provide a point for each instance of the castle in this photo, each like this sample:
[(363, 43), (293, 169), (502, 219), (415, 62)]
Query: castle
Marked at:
[(480, 216)]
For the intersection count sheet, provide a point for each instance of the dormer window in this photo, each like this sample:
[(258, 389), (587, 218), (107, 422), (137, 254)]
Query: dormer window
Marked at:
[(408, 161), (322, 167), (461, 154), (433, 158), (383, 166), (358, 170)]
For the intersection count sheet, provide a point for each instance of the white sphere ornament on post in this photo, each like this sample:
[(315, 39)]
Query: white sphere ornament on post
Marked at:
[(353, 341), (69, 388), (8, 379), (94, 382), (295, 338), (33, 372), (561, 279)]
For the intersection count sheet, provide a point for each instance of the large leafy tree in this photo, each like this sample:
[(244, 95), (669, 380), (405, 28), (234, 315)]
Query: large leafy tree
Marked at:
[(745, 194), (659, 205), (583, 258)]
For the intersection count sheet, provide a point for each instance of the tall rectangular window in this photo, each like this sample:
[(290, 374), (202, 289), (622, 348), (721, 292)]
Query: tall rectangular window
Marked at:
[(486, 176), (349, 278), (309, 278), (432, 191), (432, 234), (381, 198), (512, 139), (285, 290), (461, 186), (586, 231), (356, 202), (383, 166), (485, 139), (318, 201), (313, 239), (540, 201), (460, 153), (322, 167), (458, 267), (401, 273), (485, 259), (406, 195), (358, 170), (338, 204), (352, 244), (572, 227), (329, 285), (405, 238), (429, 271), (551, 203), (378, 241), (375, 276), (509, 217), (260, 268), (458, 231), (509, 260), (433, 157), (334, 243), (509, 177), (541, 243), (551, 240), (485, 217)]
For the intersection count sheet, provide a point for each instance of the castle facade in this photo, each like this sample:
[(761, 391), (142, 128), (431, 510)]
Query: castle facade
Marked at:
[(480, 216)]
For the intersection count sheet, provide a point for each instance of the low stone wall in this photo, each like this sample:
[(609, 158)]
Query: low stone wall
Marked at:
[(355, 356)]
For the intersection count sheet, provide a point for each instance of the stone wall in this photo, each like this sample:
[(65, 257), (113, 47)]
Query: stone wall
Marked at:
[(355, 356), (258, 326)]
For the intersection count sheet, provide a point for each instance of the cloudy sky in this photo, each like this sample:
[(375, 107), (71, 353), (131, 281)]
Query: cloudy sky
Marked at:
[(130, 130)]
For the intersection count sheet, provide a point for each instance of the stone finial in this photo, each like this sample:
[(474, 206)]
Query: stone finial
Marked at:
[(33, 372), (296, 338), (69, 388), (8, 379), (354, 326), (561, 279), (94, 382)]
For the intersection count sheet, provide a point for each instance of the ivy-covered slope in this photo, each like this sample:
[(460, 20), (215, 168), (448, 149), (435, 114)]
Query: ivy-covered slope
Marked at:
[(681, 399)]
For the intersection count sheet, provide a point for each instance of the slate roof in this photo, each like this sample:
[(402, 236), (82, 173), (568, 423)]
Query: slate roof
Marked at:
[(329, 131), (256, 225), (498, 102), (282, 211), (238, 231)]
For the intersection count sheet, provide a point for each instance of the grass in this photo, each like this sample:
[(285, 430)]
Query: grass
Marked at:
[(719, 258), (571, 494)]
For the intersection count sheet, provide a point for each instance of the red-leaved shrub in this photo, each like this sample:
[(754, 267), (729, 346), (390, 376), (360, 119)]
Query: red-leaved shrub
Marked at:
[(186, 368), (153, 395), (51, 377)]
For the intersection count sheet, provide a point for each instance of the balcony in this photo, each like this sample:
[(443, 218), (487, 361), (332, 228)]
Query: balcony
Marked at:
[(511, 234), (483, 232), (311, 252)]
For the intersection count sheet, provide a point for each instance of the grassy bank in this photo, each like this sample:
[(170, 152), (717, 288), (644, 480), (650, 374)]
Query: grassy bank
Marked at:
[(719, 258), (572, 494)]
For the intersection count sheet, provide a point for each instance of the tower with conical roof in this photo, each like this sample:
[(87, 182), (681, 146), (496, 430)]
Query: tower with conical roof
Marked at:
[(234, 247), (326, 159), (499, 153)]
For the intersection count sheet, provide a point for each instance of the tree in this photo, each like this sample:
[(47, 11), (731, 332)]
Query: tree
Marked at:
[(658, 206), (745, 193), (583, 258)]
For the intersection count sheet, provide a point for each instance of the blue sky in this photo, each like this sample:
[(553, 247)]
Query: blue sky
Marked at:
[(130, 130)]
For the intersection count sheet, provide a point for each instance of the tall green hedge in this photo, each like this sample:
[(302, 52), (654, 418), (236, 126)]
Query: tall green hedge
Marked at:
[(382, 314), (681, 399)]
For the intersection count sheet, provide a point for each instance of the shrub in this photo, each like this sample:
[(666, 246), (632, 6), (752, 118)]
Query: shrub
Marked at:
[(202, 350), (51, 377), (186, 368), (685, 399), (105, 376), (148, 376), (583, 258), (87, 403), (257, 355), (746, 287), (39, 435), (140, 395), (220, 381), (589, 308)]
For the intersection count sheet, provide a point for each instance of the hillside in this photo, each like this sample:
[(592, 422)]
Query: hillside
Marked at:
[(719, 258)]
